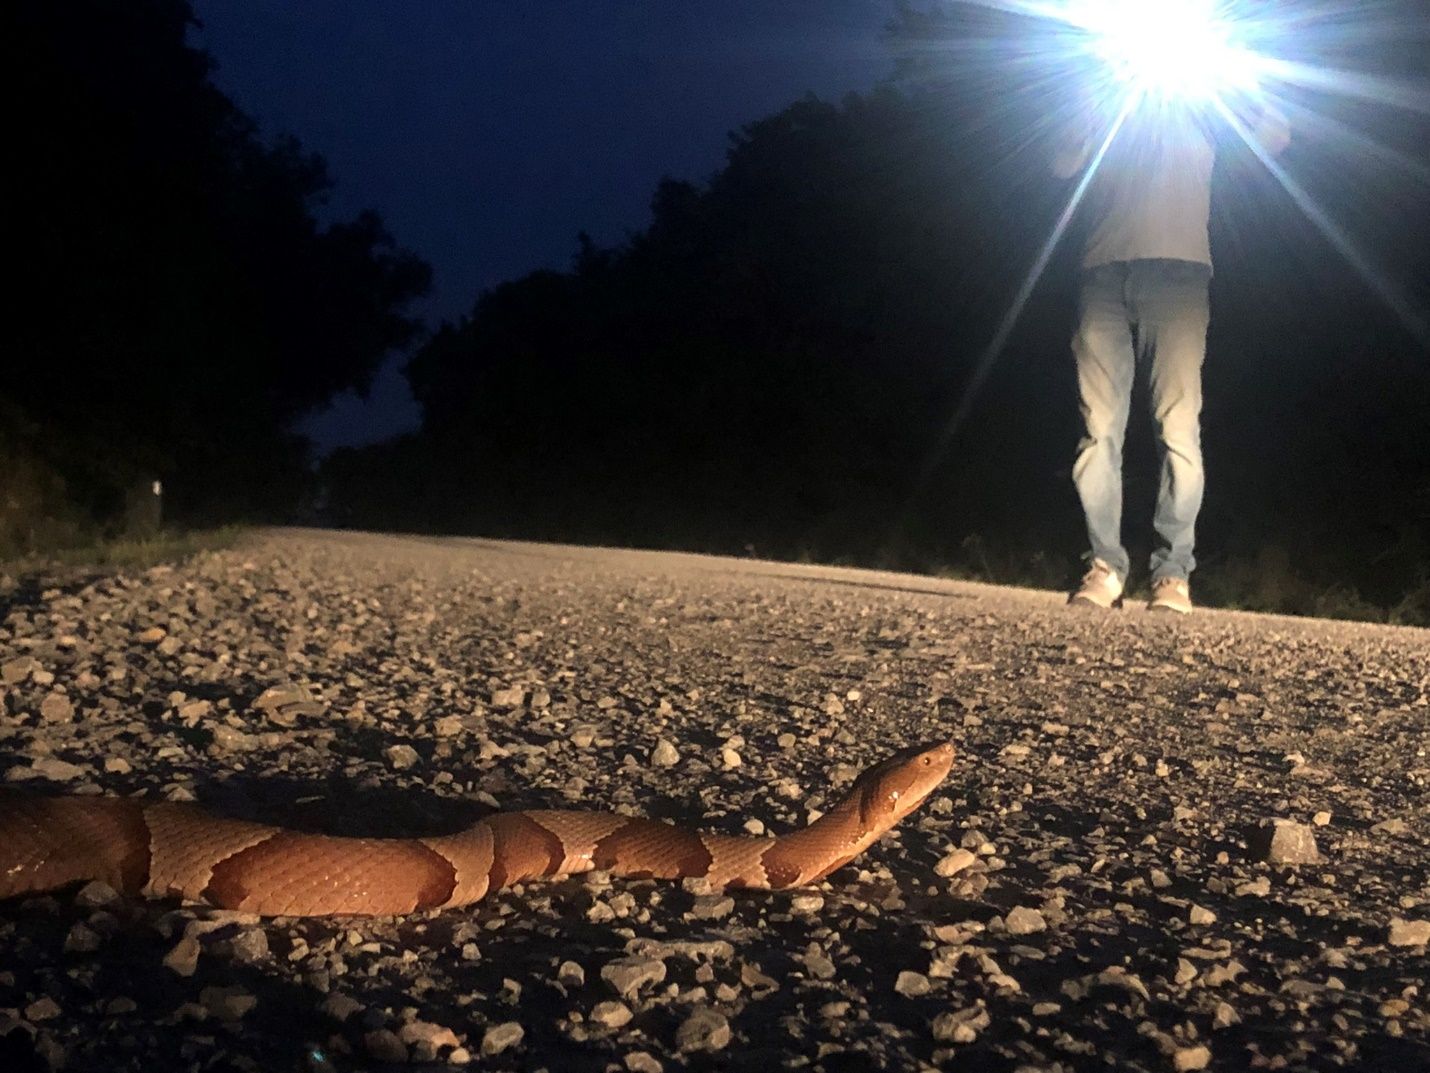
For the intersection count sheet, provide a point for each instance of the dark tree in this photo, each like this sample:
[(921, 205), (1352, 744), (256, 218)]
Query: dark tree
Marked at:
[(174, 303)]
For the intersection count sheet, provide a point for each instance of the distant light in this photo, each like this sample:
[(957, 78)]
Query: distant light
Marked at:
[(1176, 50)]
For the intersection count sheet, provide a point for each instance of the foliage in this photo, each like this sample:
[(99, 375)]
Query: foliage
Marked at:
[(176, 304), (109, 555)]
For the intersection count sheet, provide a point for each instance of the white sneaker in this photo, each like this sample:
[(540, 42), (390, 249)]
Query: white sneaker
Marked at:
[(1171, 594), (1101, 587)]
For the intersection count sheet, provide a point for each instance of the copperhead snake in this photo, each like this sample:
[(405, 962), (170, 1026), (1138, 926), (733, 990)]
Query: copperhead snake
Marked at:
[(170, 849)]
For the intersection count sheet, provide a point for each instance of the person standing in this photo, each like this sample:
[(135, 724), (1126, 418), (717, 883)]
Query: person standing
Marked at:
[(1147, 270)]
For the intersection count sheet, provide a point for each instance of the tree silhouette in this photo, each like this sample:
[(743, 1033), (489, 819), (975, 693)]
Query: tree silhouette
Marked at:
[(176, 304)]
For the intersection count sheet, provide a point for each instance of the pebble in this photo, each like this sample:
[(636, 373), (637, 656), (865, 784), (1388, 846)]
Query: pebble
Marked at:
[(1409, 932), (1225, 1016), (42, 1009), (819, 965), (14, 672), (193, 711), (1199, 915), (183, 958), (57, 770), (570, 974), (1187, 1059), (82, 939), (960, 1026), (1290, 843), (664, 754), (56, 708), (384, 1045), (275, 697), (426, 1039), (691, 949), (340, 1007), (95, 895), (627, 976), (1024, 921), (912, 984), (227, 1003), (753, 978), (703, 1030), (642, 1062), (512, 697), (611, 1014), (249, 946), (401, 757), (501, 1037), (231, 739), (712, 907), (954, 862)]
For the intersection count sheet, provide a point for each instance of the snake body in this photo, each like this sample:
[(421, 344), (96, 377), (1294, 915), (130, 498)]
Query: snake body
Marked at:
[(169, 849)]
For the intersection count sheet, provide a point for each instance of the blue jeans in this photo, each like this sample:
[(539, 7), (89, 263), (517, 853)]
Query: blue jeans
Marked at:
[(1155, 312)]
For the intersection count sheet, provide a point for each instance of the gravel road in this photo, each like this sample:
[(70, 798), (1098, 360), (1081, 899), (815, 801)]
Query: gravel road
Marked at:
[(1167, 844)]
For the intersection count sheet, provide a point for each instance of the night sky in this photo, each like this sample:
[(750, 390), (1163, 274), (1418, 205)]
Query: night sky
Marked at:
[(489, 134)]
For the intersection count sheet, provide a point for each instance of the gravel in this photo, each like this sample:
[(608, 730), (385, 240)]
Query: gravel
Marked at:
[(1189, 844)]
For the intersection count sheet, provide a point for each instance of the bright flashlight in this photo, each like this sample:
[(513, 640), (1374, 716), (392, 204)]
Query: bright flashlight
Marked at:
[(1175, 50)]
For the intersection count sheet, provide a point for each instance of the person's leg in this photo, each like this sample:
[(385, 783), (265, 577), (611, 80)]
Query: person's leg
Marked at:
[(1102, 347), (1171, 306)]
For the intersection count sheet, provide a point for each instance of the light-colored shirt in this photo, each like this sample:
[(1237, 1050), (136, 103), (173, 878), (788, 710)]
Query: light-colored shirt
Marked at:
[(1151, 194)]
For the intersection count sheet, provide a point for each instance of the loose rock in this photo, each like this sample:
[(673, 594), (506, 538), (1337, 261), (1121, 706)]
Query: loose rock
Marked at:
[(1185, 1059), (627, 976), (1288, 843), (1409, 932), (703, 1030), (1023, 921), (611, 1014), (501, 1037), (912, 984)]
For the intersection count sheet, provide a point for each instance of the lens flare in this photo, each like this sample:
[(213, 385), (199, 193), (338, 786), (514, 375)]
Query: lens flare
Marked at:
[(1171, 49)]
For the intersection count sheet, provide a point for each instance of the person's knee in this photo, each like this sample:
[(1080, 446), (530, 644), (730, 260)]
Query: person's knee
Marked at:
[(1181, 436), (1177, 408), (1101, 430)]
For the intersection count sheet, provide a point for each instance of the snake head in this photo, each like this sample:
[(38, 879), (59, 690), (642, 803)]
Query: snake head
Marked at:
[(893, 788)]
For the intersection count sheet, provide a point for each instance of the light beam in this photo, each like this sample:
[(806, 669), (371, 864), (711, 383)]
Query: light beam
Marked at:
[(995, 345), (1410, 316)]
